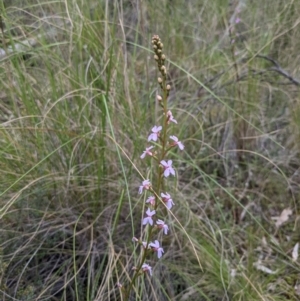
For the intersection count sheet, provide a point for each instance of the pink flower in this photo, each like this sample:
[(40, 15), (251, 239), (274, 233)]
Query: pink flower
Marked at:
[(147, 268), (147, 152), (155, 133), (156, 248), (168, 168), (176, 142), (151, 200), (145, 185), (148, 219), (161, 225), (167, 199), (170, 117), (237, 20)]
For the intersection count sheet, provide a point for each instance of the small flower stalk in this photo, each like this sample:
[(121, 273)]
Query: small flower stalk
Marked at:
[(158, 201)]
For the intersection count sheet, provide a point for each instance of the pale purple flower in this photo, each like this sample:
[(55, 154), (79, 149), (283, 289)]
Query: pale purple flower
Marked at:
[(151, 200), (170, 117), (147, 152), (148, 219), (147, 268), (167, 200), (155, 133), (176, 142), (161, 225), (145, 185), (237, 20), (168, 168), (156, 248)]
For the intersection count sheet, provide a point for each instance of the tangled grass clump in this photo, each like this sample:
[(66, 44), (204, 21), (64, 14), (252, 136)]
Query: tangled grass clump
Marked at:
[(78, 92)]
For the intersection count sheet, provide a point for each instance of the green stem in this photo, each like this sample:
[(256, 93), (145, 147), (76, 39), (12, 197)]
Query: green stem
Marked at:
[(158, 186)]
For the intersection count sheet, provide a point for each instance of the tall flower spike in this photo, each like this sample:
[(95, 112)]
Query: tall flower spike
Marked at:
[(161, 144)]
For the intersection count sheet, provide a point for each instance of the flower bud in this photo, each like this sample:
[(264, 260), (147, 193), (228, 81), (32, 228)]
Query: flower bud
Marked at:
[(154, 47), (156, 57), (168, 87), (159, 80), (163, 57), (158, 97)]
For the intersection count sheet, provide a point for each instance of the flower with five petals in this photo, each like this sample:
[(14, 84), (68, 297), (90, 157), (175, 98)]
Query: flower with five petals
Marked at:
[(167, 200), (155, 133), (156, 248), (147, 152), (145, 185), (151, 200), (161, 225), (176, 142), (147, 268), (148, 219), (168, 169)]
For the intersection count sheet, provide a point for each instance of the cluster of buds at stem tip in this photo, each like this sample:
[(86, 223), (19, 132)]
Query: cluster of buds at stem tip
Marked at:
[(159, 57), (158, 50)]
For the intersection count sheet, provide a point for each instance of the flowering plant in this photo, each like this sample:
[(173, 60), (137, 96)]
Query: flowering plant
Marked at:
[(157, 199)]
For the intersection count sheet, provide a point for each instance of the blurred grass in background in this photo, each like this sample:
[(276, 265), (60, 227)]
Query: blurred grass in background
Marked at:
[(77, 86)]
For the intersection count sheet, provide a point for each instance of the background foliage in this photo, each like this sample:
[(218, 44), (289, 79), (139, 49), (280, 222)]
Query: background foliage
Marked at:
[(77, 87)]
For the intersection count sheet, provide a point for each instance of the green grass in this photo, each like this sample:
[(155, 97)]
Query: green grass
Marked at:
[(76, 109)]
